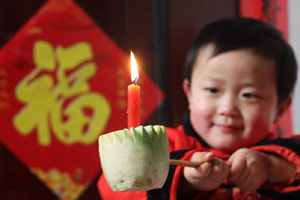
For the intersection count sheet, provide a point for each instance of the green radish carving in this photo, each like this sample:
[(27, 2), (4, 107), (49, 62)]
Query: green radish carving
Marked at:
[(135, 159)]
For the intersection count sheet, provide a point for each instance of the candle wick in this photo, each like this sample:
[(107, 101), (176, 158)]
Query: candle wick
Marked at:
[(135, 80)]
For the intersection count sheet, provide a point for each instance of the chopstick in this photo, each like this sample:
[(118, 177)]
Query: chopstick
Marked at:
[(185, 163)]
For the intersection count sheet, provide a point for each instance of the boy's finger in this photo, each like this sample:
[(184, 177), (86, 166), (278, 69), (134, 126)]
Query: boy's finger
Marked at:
[(202, 156), (237, 167), (230, 160), (243, 178), (205, 169), (220, 169), (208, 156)]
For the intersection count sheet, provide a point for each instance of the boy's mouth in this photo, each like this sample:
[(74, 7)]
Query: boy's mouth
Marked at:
[(228, 128)]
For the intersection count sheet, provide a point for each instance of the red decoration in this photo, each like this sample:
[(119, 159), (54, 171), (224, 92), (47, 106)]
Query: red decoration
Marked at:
[(58, 95)]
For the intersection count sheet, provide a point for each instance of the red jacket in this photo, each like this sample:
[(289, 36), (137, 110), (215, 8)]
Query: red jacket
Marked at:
[(183, 142)]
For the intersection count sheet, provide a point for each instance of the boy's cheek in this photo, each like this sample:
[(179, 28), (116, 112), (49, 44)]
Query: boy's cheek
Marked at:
[(201, 119), (258, 128), (259, 119), (262, 115), (202, 111), (202, 106)]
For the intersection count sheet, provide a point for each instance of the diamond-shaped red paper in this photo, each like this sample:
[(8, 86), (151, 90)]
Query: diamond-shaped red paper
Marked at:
[(67, 168)]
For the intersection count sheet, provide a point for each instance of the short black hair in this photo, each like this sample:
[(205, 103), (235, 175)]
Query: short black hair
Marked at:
[(247, 33)]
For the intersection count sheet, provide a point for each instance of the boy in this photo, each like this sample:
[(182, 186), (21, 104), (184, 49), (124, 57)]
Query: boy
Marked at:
[(240, 75)]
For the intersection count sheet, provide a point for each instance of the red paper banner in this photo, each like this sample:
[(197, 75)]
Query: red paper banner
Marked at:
[(274, 12), (63, 83)]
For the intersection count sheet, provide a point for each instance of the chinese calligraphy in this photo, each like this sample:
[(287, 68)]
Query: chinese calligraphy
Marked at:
[(62, 102)]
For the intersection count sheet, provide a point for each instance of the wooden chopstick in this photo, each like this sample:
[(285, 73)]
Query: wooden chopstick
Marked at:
[(185, 163)]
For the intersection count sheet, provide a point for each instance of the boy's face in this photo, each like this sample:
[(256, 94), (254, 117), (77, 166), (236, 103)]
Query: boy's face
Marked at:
[(232, 98)]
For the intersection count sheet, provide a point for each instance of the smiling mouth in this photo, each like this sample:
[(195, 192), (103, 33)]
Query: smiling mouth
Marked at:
[(228, 128)]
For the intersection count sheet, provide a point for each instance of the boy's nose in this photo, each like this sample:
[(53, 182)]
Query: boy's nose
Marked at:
[(228, 107)]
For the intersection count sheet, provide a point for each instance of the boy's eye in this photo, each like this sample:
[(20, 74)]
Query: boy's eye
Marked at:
[(250, 96), (212, 90)]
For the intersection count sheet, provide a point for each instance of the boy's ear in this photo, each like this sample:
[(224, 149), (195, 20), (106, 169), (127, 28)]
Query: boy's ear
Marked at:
[(282, 108), (186, 89)]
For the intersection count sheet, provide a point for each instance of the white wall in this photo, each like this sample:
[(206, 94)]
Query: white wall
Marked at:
[(294, 35)]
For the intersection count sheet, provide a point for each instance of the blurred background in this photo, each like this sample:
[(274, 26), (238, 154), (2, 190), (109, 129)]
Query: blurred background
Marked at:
[(160, 33)]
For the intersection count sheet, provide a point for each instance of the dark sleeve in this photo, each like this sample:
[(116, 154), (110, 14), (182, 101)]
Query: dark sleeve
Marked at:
[(164, 192), (290, 143), (288, 148), (280, 196)]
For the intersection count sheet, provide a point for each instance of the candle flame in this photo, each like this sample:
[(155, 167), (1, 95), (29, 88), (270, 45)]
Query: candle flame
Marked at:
[(134, 70)]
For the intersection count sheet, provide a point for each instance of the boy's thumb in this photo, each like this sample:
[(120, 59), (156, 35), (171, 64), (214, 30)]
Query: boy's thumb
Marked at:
[(208, 156), (205, 169)]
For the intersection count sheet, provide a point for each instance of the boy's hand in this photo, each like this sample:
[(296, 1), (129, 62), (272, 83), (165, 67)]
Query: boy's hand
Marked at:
[(208, 175), (248, 169)]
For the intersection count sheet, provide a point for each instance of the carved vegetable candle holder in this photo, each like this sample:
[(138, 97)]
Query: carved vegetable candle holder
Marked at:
[(135, 159)]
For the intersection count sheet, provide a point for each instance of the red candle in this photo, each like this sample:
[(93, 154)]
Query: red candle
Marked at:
[(133, 96)]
